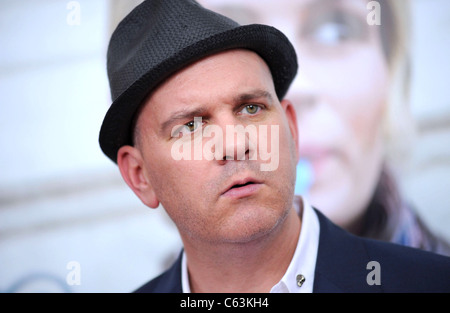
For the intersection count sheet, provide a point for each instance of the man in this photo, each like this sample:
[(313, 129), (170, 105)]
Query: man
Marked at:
[(199, 124)]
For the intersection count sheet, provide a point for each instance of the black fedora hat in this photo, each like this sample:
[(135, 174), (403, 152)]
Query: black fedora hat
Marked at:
[(160, 37)]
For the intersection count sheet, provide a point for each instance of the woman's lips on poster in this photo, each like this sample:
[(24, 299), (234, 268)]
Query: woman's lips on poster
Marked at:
[(319, 157)]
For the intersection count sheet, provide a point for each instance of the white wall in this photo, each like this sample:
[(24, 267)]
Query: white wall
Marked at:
[(62, 200), (427, 183)]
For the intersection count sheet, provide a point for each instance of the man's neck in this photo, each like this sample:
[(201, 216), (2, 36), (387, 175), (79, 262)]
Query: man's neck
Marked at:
[(255, 266)]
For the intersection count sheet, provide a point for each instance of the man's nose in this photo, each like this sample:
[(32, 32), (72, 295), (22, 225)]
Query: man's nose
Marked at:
[(236, 143), (238, 139)]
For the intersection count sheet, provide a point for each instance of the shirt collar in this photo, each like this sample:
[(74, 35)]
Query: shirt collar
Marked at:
[(303, 262), (299, 277)]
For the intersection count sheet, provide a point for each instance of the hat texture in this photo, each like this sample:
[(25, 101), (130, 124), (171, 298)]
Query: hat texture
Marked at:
[(159, 38)]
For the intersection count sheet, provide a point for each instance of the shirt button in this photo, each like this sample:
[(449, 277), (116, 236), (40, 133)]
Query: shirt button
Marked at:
[(300, 280)]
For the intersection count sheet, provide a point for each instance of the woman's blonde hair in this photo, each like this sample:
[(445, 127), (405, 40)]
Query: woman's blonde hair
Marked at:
[(399, 128)]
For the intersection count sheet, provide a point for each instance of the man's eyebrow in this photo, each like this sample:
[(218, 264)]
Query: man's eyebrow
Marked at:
[(183, 115), (254, 95)]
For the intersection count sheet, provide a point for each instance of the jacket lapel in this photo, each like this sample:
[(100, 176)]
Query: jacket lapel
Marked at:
[(341, 261)]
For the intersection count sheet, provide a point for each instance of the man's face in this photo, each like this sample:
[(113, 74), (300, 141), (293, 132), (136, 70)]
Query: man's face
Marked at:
[(227, 198)]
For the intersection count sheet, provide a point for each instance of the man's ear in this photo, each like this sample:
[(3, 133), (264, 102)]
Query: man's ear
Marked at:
[(291, 116), (131, 165)]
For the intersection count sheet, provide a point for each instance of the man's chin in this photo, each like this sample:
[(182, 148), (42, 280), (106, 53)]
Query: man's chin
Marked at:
[(250, 226)]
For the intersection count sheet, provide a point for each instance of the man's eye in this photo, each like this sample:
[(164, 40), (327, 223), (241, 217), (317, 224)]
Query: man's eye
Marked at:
[(191, 126), (186, 129), (251, 109)]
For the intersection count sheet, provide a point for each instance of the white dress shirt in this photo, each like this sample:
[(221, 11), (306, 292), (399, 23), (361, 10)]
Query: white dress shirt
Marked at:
[(303, 262)]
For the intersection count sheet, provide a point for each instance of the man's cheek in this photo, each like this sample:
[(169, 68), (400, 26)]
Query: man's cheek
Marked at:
[(269, 147)]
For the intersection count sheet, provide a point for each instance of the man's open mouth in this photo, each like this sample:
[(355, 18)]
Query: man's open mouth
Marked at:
[(242, 188), (242, 185)]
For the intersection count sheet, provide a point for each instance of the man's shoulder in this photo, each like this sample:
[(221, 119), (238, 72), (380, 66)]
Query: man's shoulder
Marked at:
[(401, 265), (350, 262), (168, 282)]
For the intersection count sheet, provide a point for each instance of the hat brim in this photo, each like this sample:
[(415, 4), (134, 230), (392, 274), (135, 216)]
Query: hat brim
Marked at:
[(268, 42)]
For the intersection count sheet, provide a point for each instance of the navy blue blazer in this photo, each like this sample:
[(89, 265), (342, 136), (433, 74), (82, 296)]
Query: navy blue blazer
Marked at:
[(342, 266)]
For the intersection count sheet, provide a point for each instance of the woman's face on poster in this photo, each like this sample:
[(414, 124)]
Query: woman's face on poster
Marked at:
[(340, 94)]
